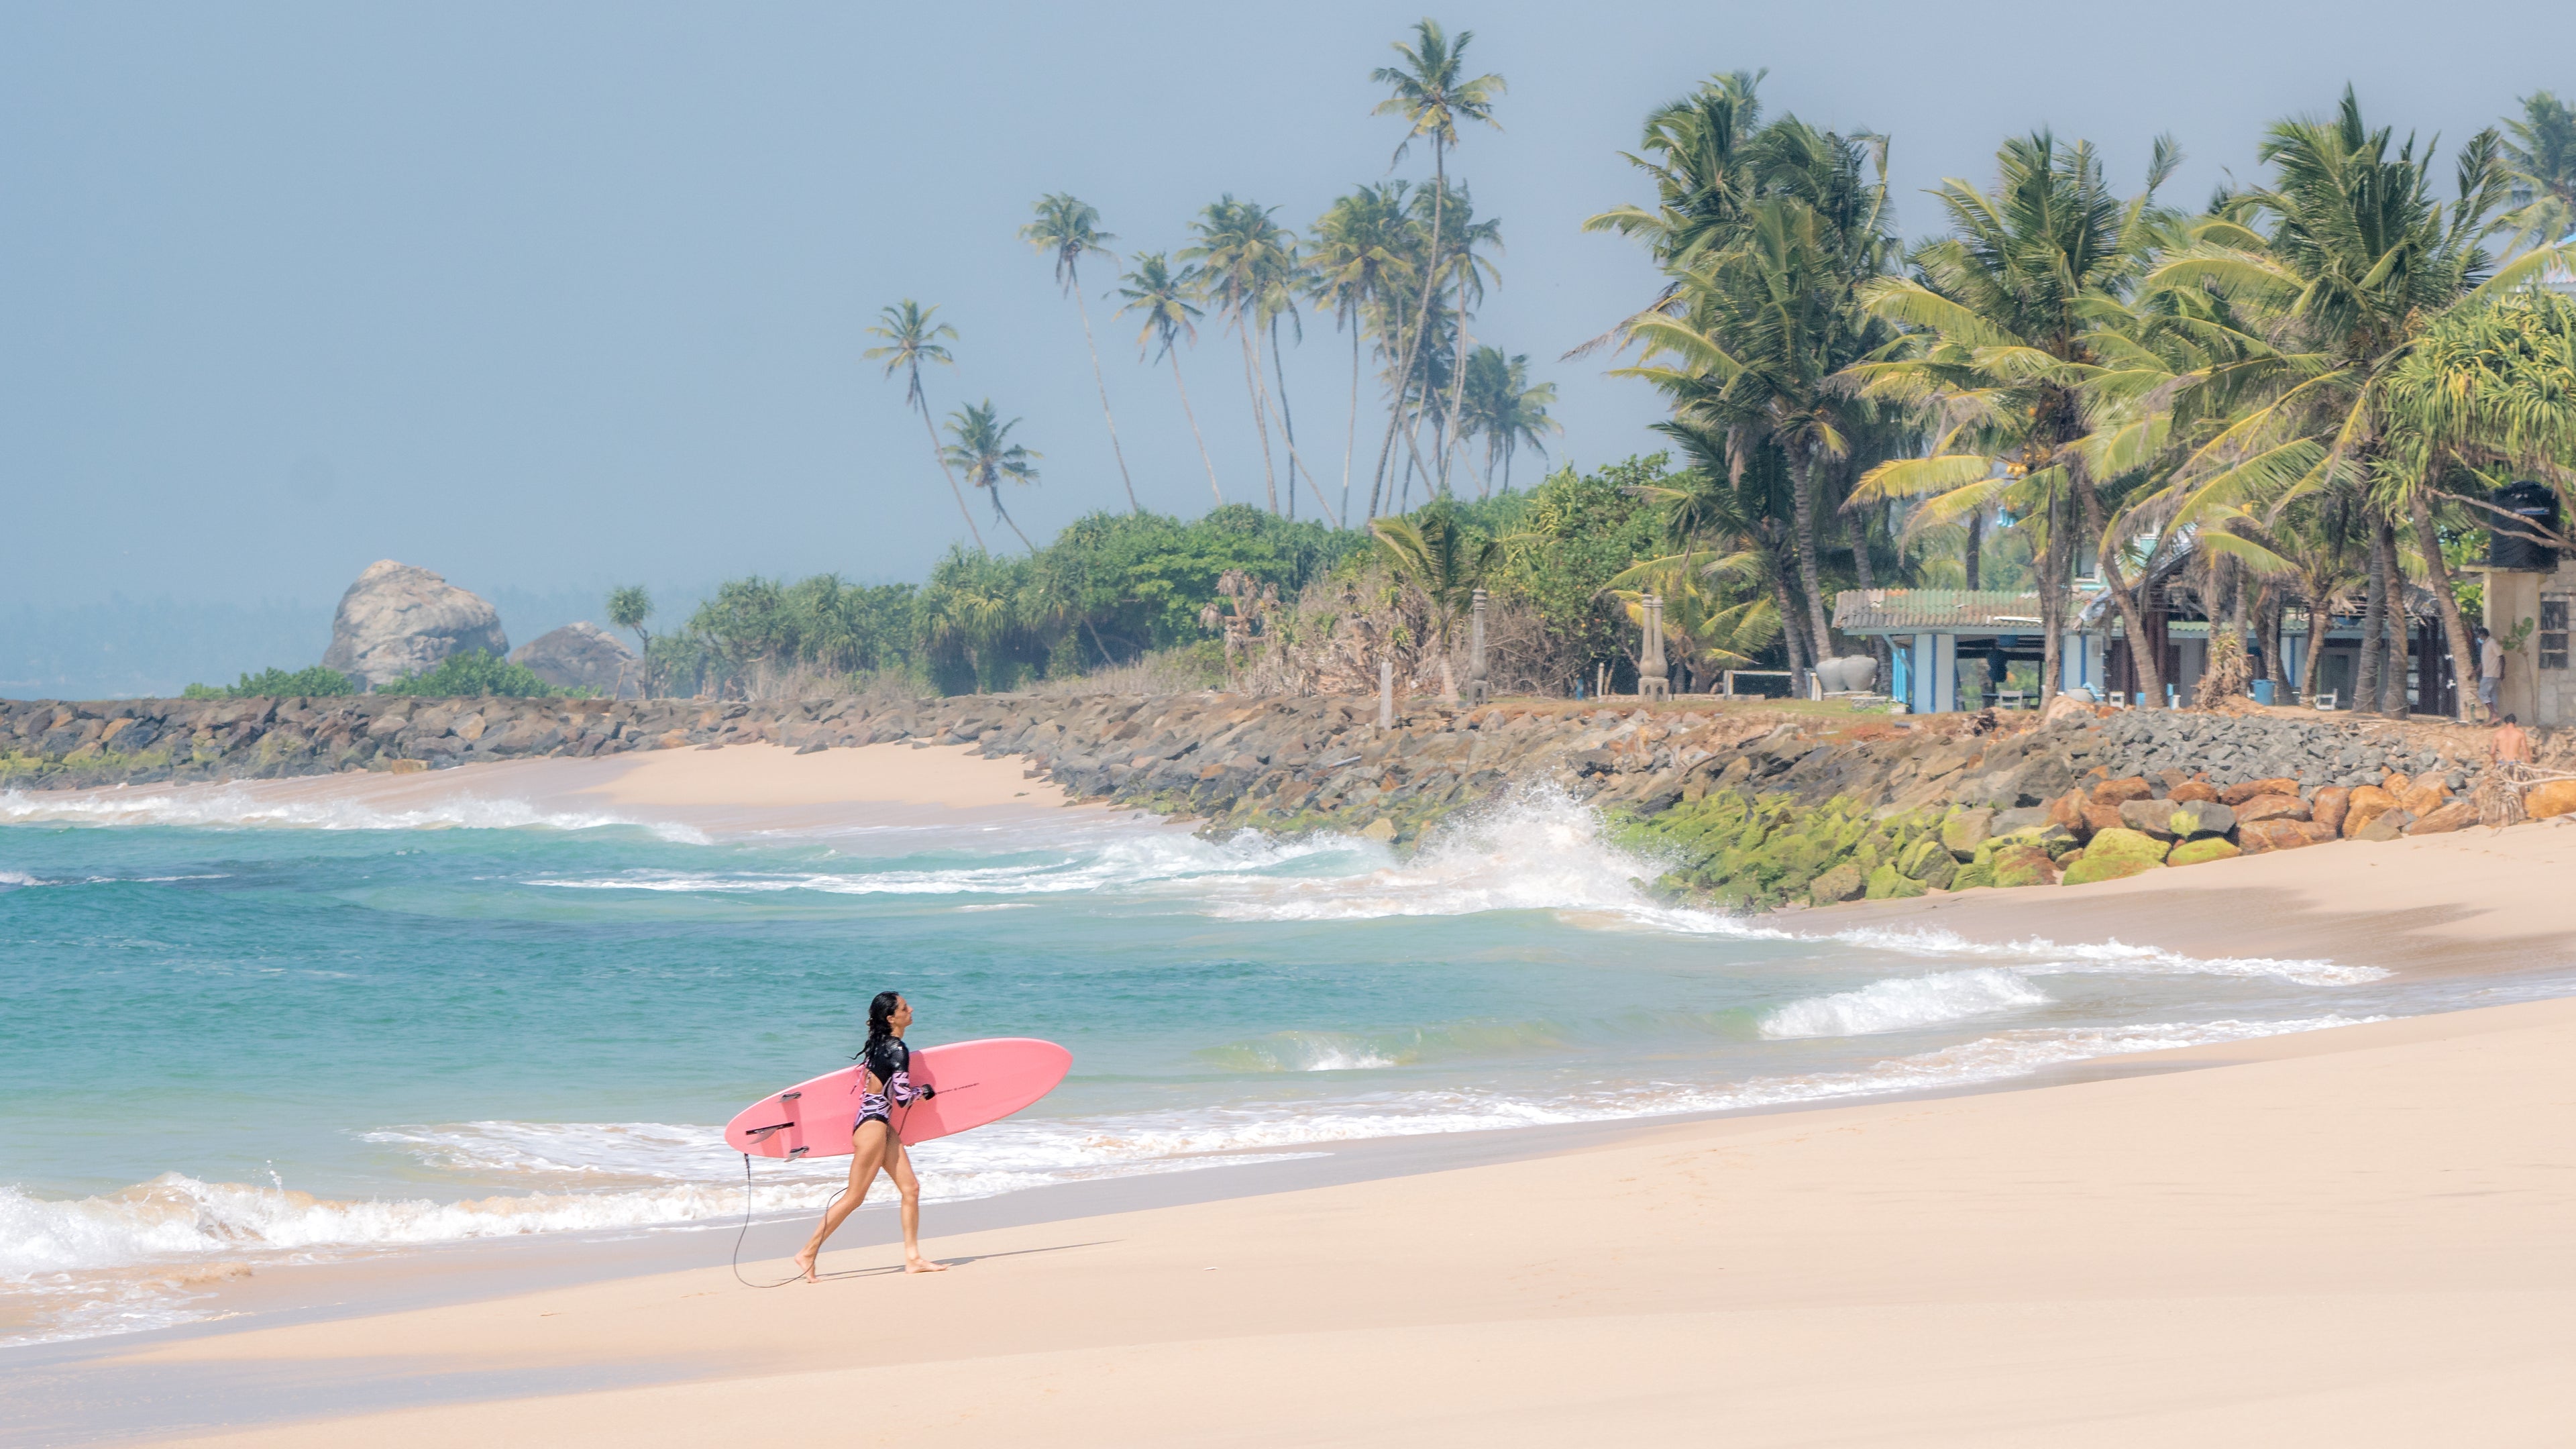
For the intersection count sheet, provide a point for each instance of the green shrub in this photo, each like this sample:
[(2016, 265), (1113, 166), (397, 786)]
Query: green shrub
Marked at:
[(277, 684), (476, 673)]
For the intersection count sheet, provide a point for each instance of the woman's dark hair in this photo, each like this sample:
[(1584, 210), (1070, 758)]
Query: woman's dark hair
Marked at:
[(880, 1023)]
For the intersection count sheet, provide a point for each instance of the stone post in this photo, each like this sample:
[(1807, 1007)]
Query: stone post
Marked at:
[(1386, 694), (1477, 690), (1653, 681)]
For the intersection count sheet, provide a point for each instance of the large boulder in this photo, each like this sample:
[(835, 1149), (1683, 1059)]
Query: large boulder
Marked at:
[(2549, 799), (2239, 793), (2445, 818), (579, 656), (2270, 807), (398, 619), (2177, 819), (2368, 803)]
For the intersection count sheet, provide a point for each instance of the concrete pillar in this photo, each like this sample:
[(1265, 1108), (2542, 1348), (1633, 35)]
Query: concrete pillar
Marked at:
[(1653, 680), (2513, 597), (1477, 690), (1945, 673)]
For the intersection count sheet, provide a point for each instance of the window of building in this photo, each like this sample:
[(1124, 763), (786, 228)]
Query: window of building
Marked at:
[(2553, 633)]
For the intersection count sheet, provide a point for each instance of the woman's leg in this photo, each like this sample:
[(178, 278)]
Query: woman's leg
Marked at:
[(867, 1154), (899, 1167)]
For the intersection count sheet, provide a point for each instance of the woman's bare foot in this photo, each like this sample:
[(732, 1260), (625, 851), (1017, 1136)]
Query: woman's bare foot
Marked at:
[(805, 1265), (923, 1265)]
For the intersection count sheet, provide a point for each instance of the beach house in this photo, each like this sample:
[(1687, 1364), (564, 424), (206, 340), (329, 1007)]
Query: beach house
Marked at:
[(1953, 649)]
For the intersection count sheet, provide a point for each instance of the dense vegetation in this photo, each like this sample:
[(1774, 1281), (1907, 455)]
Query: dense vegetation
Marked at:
[(277, 684), (473, 673), (2297, 397)]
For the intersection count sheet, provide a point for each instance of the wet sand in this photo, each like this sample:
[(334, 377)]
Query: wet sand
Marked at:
[(2351, 1236)]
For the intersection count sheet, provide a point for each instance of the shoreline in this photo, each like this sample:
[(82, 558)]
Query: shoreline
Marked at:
[(689, 1343), (2474, 908)]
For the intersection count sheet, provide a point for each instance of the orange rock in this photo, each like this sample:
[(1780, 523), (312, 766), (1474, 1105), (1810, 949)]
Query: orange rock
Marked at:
[(2238, 794), (2098, 816), (2113, 792), (2193, 790), (2369, 802), (2550, 798), (2316, 834), (2457, 815), (2328, 807), (2271, 807), (2068, 810), (2423, 800)]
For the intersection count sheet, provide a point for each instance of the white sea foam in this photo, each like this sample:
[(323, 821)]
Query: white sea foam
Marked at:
[(139, 1257), (1903, 1001), (2046, 957), (1132, 862), (245, 805), (1541, 849)]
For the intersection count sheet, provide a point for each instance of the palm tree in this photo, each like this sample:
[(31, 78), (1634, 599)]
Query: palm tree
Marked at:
[(2486, 387), (912, 339), (2009, 319), (1359, 257), (983, 447), (1500, 404), (2540, 150), (628, 608), (1436, 555), (1705, 183), (1432, 92), (1162, 297), (1068, 229), (2360, 259), (1239, 252)]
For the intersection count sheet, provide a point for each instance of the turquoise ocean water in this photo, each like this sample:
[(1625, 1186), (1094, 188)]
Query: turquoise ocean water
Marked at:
[(238, 1033)]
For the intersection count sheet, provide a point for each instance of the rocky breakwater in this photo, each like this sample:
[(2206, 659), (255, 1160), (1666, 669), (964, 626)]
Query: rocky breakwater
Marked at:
[(2084, 797)]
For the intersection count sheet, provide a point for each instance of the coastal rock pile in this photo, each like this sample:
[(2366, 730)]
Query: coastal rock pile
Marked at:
[(2230, 748), (1749, 804), (399, 619)]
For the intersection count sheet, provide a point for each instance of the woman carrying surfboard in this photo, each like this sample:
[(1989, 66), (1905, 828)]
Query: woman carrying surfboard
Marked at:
[(885, 1089)]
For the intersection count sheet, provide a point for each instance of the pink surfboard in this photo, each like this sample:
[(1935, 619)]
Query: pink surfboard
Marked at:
[(977, 1082)]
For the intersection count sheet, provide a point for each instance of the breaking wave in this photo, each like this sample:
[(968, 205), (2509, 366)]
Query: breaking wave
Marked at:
[(1903, 1001), (241, 805)]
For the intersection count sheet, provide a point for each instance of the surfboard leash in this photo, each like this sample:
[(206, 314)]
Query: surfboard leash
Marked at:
[(905, 1108)]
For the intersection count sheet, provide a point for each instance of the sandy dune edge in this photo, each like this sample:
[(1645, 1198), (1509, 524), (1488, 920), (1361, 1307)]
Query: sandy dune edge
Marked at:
[(2359, 1234)]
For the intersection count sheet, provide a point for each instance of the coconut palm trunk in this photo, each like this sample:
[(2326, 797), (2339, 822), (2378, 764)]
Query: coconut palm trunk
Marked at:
[(937, 452), (2437, 573), (2151, 670), (1188, 412), (2392, 674), (1810, 577), (2374, 620), (1421, 322), (1351, 440), (1101, 381), (1260, 414)]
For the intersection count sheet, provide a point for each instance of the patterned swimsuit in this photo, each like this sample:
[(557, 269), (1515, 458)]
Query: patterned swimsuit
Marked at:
[(890, 1062)]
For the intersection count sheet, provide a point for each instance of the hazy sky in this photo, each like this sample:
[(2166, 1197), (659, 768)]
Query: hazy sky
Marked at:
[(557, 295)]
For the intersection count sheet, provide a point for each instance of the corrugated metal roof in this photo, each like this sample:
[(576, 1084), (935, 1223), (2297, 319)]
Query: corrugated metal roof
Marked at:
[(1870, 610)]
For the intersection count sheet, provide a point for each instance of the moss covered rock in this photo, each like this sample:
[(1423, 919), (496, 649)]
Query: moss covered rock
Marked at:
[(2109, 867), (1842, 883), (1887, 883), (2123, 844), (2023, 865), (2197, 852)]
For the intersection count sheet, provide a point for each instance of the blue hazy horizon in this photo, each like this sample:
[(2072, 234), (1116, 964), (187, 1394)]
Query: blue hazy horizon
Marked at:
[(547, 298)]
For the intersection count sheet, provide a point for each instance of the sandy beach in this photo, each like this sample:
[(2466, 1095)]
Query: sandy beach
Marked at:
[(2355, 1233)]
